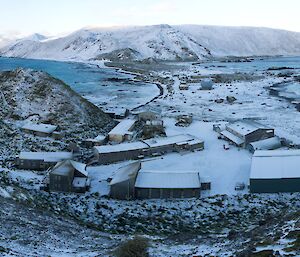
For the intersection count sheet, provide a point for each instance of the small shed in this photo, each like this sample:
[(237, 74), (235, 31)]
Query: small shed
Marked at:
[(41, 130), (122, 183), (69, 176), (97, 141), (122, 132), (206, 84), (147, 116), (40, 160), (183, 86), (275, 171), (121, 113), (167, 184)]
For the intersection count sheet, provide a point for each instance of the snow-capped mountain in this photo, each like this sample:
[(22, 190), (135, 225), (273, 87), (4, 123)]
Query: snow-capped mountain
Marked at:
[(164, 42), (4, 40), (34, 37), (160, 42), (244, 41)]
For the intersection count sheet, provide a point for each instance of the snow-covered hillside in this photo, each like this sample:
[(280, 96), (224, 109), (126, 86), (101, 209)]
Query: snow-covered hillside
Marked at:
[(4, 41), (160, 42), (164, 42), (28, 95), (244, 41)]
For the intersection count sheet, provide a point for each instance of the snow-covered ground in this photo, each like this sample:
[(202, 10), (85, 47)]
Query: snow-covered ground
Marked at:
[(253, 100), (202, 225), (223, 168)]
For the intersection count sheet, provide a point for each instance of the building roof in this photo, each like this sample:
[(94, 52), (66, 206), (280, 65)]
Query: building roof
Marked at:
[(125, 173), (266, 144), (177, 139), (46, 156), (167, 179), (123, 147), (275, 164), (245, 127), (65, 167), (80, 167), (123, 127), (100, 138), (232, 137), (146, 144), (45, 128)]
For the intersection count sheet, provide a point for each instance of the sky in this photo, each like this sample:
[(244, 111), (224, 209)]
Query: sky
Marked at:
[(58, 17)]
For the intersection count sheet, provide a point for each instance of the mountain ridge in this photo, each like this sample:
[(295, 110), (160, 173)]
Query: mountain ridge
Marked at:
[(161, 42)]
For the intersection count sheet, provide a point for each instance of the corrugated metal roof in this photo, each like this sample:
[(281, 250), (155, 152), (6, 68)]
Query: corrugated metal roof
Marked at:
[(123, 147), (46, 156), (275, 164), (245, 127), (167, 179), (232, 137), (125, 173), (273, 153), (123, 127), (266, 144), (64, 167), (146, 144), (81, 167)]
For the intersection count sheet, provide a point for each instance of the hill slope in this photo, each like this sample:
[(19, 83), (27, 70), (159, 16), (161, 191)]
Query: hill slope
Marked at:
[(33, 95), (160, 42), (244, 41)]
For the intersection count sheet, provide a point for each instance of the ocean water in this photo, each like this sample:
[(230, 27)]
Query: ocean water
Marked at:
[(92, 82)]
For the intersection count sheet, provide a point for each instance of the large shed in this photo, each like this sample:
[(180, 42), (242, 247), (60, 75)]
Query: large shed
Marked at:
[(40, 160), (151, 147), (243, 132), (69, 176), (122, 183), (167, 184), (275, 171)]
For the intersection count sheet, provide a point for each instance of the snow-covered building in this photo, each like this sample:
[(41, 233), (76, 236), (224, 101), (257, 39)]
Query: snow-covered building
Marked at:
[(122, 183), (183, 86), (121, 113), (41, 130), (40, 160), (97, 141), (146, 148), (134, 182), (122, 132), (243, 132), (271, 143), (69, 176), (167, 184), (147, 116), (275, 171)]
